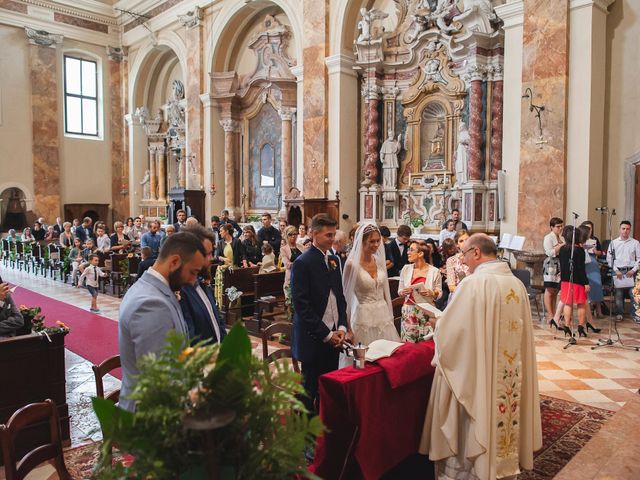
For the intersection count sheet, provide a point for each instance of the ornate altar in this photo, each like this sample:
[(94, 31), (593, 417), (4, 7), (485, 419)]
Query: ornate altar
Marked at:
[(432, 89), (258, 118)]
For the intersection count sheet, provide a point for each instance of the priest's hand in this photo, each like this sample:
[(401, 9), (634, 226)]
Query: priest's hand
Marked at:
[(349, 337)]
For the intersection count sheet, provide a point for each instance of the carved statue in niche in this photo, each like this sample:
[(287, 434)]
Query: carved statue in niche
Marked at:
[(389, 156), (174, 109), (437, 141), (146, 185), (368, 31), (462, 154)]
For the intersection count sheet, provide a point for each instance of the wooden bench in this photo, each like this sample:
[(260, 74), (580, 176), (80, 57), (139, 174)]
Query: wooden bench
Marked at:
[(242, 279), (266, 285)]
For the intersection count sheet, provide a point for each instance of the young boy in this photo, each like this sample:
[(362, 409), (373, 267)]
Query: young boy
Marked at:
[(91, 274)]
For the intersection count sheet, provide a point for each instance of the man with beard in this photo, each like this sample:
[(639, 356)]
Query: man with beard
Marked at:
[(197, 301), (150, 308)]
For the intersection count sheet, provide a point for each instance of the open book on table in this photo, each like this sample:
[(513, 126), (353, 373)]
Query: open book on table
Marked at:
[(381, 349)]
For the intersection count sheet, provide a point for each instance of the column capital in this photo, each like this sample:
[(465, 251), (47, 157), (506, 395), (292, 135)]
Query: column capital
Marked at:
[(152, 149), (298, 71), (340, 63), (286, 113), (42, 38), (602, 5), (370, 89), (161, 149), (117, 54), (207, 100), (192, 18), (512, 13), (230, 125)]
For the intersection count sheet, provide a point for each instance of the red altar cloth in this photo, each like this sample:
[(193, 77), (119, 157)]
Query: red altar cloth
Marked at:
[(387, 402)]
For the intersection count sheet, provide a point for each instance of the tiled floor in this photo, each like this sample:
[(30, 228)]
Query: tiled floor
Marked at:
[(604, 378)]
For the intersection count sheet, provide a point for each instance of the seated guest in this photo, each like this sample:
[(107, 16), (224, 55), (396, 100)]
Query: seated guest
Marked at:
[(103, 241), (229, 250), (51, 234), (144, 226), (289, 252), (58, 226), (128, 227), (420, 282), (399, 248), (168, 231), (436, 258), (12, 236), (252, 249), (66, 236), (75, 224), (215, 226), (75, 257), (224, 218), (268, 263), (152, 239), (84, 231), (26, 236), (483, 418), (303, 238), (386, 241), (458, 224), (99, 224), (150, 308), (181, 216), (146, 261), (456, 268), (282, 225), (136, 232), (448, 232), (119, 240), (269, 234), (10, 317), (38, 232)]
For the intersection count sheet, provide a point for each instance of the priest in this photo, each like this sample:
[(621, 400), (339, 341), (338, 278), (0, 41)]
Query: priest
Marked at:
[(483, 419)]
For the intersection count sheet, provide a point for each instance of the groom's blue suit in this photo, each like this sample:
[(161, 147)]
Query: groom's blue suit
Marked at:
[(311, 282)]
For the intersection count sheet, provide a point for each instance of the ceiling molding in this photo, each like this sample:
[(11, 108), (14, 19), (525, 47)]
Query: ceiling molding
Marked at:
[(70, 7)]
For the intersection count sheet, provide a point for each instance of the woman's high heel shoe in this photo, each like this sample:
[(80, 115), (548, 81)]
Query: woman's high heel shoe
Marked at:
[(567, 331), (581, 331), (593, 329), (552, 323)]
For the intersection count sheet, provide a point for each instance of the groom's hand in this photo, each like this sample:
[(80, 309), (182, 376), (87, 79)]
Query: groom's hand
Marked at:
[(336, 339), (349, 337)]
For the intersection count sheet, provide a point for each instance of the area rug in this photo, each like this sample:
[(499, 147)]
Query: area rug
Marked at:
[(92, 336), (566, 428)]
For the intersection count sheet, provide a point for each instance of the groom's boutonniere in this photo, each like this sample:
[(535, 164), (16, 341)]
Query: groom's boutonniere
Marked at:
[(332, 264), (177, 294)]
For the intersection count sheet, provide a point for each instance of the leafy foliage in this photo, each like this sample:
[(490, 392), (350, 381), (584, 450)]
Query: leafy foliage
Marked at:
[(266, 440)]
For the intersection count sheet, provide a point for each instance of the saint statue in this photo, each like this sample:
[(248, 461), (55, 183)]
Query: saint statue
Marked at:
[(389, 157), (367, 31), (437, 142), (462, 154), (146, 185), (478, 16)]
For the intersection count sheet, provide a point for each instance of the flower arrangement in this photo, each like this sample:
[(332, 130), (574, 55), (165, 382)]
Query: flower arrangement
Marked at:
[(413, 221), (266, 428), (34, 321)]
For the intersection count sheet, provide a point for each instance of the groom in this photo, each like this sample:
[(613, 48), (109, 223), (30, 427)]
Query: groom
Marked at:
[(320, 309)]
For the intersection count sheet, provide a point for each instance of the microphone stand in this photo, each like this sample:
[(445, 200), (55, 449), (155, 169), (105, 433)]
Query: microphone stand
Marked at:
[(572, 339), (613, 325)]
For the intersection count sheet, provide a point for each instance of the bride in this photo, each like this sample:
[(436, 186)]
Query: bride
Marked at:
[(366, 288)]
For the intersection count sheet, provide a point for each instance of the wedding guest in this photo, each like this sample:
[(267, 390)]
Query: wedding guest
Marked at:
[(66, 237), (269, 234), (399, 248), (75, 224), (103, 241), (386, 241), (128, 228), (84, 231), (458, 224), (191, 221), (11, 319), (594, 250), (119, 240), (168, 231), (456, 268), (75, 257), (268, 262), (144, 225), (146, 261), (366, 288), (229, 249), (136, 232), (448, 232), (91, 275), (552, 243), (38, 232), (303, 239), (224, 218), (420, 282), (289, 252), (12, 236), (252, 249), (282, 225), (152, 239), (623, 255), (339, 248), (26, 236), (485, 385), (58, 226), (436, 257), (51, 234), (181, 217), (99, 225)]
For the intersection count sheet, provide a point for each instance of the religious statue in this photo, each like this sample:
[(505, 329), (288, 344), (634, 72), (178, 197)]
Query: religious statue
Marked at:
[(175, 110), (437, 142), (462, 154), (389, 157), (478, 16), (146, 185), (440, 16), (367, 31)]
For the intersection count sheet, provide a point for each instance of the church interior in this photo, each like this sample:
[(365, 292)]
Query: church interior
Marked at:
[(393, 112)]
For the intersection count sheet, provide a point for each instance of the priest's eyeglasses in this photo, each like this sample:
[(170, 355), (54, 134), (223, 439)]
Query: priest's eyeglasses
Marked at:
[(467, 251)]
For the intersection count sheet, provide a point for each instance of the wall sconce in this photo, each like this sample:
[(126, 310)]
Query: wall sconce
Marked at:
[(528, 93)]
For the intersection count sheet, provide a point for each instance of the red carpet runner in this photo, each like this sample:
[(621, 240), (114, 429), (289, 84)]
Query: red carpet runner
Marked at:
[(92, 336)]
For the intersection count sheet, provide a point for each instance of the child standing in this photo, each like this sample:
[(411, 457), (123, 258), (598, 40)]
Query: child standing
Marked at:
[(268, 259), (91, 274)]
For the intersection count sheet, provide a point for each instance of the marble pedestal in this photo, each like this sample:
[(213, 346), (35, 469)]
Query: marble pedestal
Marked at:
[(370, 202)]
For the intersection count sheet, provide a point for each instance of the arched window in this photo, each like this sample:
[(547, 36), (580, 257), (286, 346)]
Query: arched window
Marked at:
[(80, 96)]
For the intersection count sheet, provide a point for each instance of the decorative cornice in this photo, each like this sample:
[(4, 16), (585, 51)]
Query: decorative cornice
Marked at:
[(340, 63), (42, 38), (117, 54), (286, 113), (230, 125), (602, 5), (298, 71), (69, 7), (512, 13), (207, 100)]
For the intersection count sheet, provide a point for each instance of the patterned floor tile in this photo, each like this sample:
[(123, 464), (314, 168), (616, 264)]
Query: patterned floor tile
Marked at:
[(587, 396), (557, 375), (585, 373), (570, 385), (603, 384)]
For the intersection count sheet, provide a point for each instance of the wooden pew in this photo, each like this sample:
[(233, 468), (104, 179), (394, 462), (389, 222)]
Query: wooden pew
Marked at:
[(242, 279), (266, 285)]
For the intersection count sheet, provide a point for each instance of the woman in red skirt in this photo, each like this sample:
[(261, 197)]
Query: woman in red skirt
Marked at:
[(573, 290)]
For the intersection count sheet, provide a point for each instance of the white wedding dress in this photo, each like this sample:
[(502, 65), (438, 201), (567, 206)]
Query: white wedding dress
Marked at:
[(371, 319)]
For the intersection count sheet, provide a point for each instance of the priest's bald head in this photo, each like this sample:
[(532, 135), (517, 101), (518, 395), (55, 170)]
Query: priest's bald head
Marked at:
[(479, 248)]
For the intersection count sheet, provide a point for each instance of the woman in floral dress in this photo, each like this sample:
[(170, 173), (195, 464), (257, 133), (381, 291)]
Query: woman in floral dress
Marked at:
[(456, 268), (415, 324)]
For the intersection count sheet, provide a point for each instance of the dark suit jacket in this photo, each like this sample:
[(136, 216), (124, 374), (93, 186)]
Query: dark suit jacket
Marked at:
[(177, 226), (399, 260), (196, 314), (238, 251), (81, 233), (235, 226), (58, 228), (311, 282), (144, 265), (271, 235)]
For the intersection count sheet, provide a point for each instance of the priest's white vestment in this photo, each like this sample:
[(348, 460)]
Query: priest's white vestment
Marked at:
[(483, 419)]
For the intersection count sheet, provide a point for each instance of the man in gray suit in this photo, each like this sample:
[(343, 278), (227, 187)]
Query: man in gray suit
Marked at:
[(150, 308)]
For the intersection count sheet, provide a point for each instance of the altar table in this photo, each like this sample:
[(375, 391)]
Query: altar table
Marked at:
[(375, 416)]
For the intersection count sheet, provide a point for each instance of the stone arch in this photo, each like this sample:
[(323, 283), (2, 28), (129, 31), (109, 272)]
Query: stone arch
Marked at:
[(26, 196), (228, 25)]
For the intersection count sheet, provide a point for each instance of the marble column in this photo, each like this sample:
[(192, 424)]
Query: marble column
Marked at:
[(44, 113), (476, 157), (315, 107), (231, 129), (496, 129), (372, 129), (161, 155), (153, 174), (119, 171), (193, 88), (542, 176), (286, 114)]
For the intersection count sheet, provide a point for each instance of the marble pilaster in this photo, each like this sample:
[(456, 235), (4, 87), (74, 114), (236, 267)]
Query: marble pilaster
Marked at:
[(542, 175), (161, 156), (44, 114), (286, 114), (496, 129), (119, 171), (372, 129), (315, 106), (231, 129), (194, 109), (153, 179), (476, 157)]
